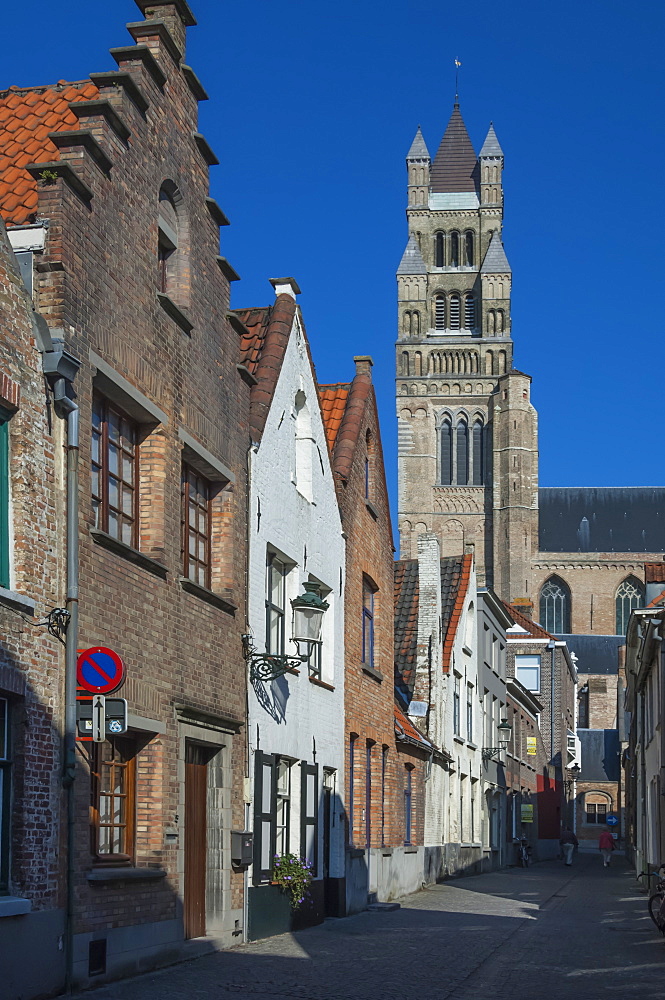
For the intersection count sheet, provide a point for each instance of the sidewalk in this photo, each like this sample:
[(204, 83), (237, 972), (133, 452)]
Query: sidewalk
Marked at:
[(547, 931)]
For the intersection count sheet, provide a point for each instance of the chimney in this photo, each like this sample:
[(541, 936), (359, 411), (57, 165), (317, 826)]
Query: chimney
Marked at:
[(654, 575), (524, 606), (364, 364), (285, 286)]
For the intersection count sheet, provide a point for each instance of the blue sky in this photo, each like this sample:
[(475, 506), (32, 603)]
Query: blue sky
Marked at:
[(312, 109)]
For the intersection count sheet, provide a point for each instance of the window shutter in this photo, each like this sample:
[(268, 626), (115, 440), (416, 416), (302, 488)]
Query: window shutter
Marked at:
[(265, 812), (309, 814)]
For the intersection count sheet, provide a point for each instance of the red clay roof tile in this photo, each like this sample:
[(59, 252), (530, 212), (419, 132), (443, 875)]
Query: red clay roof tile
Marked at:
[(27, 115), (333, 403), (657, 601)]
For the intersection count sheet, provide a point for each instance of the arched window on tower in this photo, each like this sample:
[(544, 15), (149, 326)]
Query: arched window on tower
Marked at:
[(462, 449), (555, 606), (629, 595), (440, 312), (478, 453), (491, 322), (405, 363), (468, 248), (454, 323), (469, 311), (439, 250), (454, 249), (446, 452)]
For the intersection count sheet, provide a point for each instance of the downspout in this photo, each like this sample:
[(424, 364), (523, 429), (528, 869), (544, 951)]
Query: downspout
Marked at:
[(551, 645), (69, 411)]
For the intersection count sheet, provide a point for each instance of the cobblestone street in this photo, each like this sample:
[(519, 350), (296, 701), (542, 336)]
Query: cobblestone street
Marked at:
[(547, 931)]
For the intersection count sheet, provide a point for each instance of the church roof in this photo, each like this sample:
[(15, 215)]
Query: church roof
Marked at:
[(495, 261), (419, 150), (412, 261), (491, 145), (596, 654), (601, 519), (454, 166)]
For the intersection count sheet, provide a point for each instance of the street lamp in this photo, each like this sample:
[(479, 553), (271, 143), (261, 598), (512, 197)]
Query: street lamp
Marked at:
[(504, 732), (573, 774), (308, 611)]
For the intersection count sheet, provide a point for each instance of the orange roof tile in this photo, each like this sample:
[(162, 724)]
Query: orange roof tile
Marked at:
[(448, 642), (404, 726), (251, 345), (533, 628), (333, 403), (27, 115), (654, 572)]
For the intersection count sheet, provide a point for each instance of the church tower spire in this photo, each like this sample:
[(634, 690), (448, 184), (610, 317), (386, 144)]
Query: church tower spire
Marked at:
[(454, 345)]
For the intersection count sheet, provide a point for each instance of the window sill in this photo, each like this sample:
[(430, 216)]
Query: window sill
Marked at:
[(458, 739), (176, 314), (128, 552), (372, 672), (17, 602), (471, 746), (322, 684), (125, 874), (13, 906), (208, 595), (410, 849), (467, 650), (372, 509)]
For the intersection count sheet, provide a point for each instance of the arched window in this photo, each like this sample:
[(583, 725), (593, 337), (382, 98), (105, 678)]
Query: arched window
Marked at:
[(454, 249), (304, 446), (415, 323), (419, 363), (440, 312), (491, 322), (468, 249), (499, 321), (439, 250), (478, 453), (462, 449), (555, 606), (405, 363), (173, 278), (629, 595), (446, 452), (454, 323), (469, 311)]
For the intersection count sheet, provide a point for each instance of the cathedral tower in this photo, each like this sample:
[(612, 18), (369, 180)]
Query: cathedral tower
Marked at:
[(454, 364)]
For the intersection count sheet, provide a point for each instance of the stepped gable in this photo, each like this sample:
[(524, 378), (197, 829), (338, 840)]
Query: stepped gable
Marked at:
[(27, 116), (262, 351), (454, 168)]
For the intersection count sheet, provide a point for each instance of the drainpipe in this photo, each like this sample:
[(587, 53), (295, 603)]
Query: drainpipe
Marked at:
[(60, 368), (551, 645), (68, 409)]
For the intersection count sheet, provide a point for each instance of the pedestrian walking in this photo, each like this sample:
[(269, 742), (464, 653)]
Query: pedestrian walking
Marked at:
[(568, 844), (606, 846)]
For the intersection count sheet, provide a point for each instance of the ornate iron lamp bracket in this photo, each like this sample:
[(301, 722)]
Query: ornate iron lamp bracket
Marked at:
[(268, 666)]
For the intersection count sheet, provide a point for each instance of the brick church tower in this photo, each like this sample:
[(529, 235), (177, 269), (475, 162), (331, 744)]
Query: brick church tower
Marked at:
[(468, 466)]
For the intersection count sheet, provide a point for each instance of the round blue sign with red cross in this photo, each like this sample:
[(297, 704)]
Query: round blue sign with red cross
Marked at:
[(100, 670)]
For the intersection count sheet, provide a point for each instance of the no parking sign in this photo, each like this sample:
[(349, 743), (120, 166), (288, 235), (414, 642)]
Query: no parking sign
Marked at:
[(100, 670)]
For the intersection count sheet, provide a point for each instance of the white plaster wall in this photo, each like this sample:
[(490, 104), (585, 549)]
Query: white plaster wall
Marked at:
[(492, 677), (292, 712)]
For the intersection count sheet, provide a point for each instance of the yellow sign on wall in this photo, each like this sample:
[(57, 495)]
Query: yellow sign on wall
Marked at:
[(531, 744), (527, 812)]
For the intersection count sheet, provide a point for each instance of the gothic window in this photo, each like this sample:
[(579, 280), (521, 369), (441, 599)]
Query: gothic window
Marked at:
[(439, 258), (629, 595), (446, 453), (555, 606), (454, 249), (462, 448), (469, 311), (468, 249), (440, 312), (478, 453), (454, 311)]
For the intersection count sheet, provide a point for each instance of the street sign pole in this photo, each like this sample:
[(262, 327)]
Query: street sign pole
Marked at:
[(99, 718)]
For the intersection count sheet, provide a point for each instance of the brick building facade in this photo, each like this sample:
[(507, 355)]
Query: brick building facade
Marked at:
[(111, 175)]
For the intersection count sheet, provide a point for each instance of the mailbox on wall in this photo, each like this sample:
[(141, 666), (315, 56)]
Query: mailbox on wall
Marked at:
[(242, 848)]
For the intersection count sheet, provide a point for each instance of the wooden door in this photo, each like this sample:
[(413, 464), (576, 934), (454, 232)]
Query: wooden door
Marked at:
[(196, 781)]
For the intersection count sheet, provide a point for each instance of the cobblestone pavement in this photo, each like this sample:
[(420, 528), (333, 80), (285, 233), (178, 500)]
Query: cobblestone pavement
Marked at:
[(545, 932)]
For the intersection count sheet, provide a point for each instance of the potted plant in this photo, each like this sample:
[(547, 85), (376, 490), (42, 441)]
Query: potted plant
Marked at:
[(293, 875)]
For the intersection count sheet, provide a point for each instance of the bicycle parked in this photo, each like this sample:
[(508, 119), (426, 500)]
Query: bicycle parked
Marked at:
[(656, 902), (523, 851)]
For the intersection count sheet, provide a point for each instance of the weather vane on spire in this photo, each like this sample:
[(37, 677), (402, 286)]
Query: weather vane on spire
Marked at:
[(457, 66)]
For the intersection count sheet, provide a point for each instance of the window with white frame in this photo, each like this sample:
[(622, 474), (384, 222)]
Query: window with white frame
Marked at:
[(275, 604), (456, 705), (527, 670), (469, 712)]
